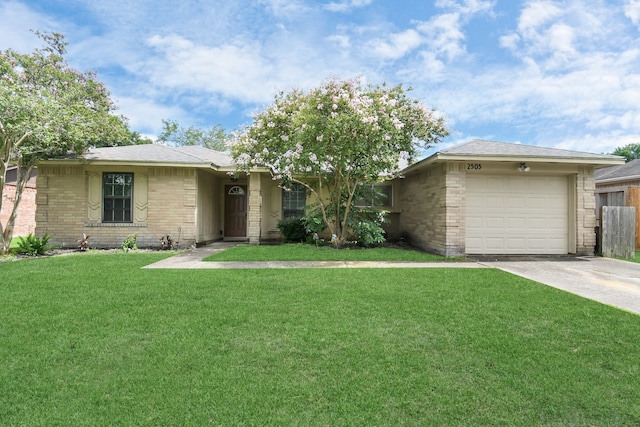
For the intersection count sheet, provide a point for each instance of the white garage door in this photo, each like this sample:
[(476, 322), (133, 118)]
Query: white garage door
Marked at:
[(521, 214)]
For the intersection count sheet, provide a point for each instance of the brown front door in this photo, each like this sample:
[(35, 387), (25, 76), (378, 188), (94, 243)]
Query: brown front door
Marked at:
[(235, 211)]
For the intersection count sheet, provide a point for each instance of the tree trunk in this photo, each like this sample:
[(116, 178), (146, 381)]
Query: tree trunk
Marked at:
[(21, 183)]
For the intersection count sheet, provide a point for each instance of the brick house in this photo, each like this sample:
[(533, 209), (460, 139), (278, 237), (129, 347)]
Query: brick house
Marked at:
[(26, 218), (475, 198)]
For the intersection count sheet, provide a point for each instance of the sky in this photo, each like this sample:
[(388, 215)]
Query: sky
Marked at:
[(554, 73)]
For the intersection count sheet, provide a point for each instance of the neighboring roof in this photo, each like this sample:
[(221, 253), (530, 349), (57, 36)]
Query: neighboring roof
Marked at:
[(479, 149), (157, 153), (628, 171), (12, 176)]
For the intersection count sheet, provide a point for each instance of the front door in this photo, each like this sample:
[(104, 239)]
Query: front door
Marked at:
[(235, 211)]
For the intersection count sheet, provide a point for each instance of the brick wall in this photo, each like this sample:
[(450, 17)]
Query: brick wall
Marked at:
[(164, 203), (26, 219), (433, 209), (422, 197)]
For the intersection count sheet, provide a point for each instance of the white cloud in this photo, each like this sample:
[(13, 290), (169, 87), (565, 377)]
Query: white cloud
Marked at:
[(397, 45), (632, 11), (346, 5), (285, 8), (17, 21), (144, 113), (467, 7), (237, 71), (444, 35)]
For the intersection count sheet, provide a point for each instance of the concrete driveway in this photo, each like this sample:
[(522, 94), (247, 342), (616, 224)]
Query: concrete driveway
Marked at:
[(606, 280)]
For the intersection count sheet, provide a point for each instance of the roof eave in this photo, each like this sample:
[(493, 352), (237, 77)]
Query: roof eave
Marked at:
[(131, 163), (618, 179), (597, 161)]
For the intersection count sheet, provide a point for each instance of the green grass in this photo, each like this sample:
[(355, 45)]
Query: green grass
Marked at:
[(301, 252), (92, 339)]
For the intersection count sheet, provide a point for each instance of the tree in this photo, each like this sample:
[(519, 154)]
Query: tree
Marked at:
[(136, 139), (336, 138), (214, 137), (48, 109), (629, 152)]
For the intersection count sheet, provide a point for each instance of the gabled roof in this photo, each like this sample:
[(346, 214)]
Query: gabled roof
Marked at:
[(479, 149), (626, 172), (160, 154)]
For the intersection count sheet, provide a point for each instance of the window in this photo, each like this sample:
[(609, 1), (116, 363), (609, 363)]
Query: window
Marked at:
[(117, 190), (294, 200), (374, 195)]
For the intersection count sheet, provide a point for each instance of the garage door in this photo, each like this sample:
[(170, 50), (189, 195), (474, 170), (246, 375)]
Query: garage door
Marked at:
[(521, 214)]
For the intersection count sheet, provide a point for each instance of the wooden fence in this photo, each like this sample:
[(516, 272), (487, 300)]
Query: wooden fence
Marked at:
[(618, 228), (634, 200)]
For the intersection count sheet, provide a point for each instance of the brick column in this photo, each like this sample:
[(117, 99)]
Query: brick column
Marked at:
[(255, 209), (586, 212)]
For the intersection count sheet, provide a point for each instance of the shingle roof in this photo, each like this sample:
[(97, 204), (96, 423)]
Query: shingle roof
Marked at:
[(480, 147), (157, 153), (629, 170)]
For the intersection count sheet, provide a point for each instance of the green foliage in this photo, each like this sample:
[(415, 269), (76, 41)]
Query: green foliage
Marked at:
[(335, 138), (293, 229), (369, 233), (130, 243), (629, 152), (214, 137), (32, 245), (313, 223), (48, 109), (136, 139)]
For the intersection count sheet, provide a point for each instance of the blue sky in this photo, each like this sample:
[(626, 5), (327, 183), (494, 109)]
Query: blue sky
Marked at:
[(555, 73)]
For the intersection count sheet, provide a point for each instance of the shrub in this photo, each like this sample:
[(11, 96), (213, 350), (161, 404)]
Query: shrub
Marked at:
[(367, 226), (129, 243), (83, 244), (166, 244), (32, 245), (369, 233), (292, 229)]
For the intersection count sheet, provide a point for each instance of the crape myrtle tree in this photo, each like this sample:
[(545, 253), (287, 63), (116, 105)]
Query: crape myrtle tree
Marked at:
[(334, 139), (48, 109)]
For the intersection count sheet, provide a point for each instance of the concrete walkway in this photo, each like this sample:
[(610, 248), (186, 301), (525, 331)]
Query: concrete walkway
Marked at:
[(605, 280)]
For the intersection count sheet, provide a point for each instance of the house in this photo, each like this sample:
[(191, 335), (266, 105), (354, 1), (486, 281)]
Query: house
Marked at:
[(26, 218), (481, 197), (619, 186)]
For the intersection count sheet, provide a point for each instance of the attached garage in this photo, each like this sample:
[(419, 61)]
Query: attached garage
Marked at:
[(487, 197), (517, 214)]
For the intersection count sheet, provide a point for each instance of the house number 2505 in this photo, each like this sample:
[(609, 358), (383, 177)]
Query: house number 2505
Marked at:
[(474, 166)]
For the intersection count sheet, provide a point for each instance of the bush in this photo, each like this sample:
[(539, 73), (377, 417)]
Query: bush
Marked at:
[(369, 233), (166, 244), (129, 243), (293, 229), (32, 245), (368, 229)]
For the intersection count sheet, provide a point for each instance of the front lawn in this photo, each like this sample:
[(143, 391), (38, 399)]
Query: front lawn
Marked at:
[(302, 252), (91, 339)]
